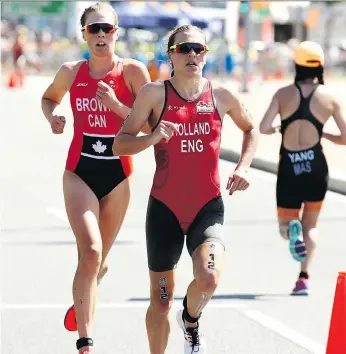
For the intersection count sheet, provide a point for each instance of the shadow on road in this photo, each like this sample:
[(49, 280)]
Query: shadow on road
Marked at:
[(262, 297)]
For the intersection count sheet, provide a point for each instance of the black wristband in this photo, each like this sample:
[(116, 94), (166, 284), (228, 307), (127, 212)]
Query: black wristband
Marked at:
[(84, 342)]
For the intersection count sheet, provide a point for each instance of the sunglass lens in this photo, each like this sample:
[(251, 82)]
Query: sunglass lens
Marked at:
[(185, 48), (107, 28), (95, 28)]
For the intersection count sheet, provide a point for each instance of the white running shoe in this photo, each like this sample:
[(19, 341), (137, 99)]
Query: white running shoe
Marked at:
[(194, 342)]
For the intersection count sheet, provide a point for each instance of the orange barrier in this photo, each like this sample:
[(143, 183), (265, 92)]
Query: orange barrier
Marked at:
[(337, 330), (15, 80)]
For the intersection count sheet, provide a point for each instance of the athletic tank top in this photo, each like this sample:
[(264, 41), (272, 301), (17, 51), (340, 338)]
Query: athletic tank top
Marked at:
[(187, 175), (95, 125), (304, 113)]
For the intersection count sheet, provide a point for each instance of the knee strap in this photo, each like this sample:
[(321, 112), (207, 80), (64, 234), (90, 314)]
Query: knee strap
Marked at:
[(303, 275), (186, 315)]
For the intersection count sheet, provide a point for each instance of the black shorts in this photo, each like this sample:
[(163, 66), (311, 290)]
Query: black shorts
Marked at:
[(165, 238), (302, 177), (93, 161), (102, 176)]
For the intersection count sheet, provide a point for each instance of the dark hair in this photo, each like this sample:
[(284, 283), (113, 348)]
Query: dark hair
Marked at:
[(172, 34), (97, 7), (304, 72)]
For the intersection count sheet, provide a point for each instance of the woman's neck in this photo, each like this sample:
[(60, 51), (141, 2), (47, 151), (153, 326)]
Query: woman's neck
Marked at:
[(100, 67), (188, 88)]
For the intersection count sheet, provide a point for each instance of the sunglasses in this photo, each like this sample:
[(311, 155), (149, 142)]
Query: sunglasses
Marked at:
[(95, 28), (185, 48)]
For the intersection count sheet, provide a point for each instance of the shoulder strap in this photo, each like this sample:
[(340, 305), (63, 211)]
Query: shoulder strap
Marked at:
[(214, 100), (300, 91), (164, 104), (312, 92)]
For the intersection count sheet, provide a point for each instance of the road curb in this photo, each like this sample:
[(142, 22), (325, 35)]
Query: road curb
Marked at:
[(335, 185)]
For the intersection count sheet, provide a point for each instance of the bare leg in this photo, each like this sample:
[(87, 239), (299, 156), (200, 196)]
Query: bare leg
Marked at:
[(83, 212), (207, 265), (309, 221), (162, 286), (113, 208)]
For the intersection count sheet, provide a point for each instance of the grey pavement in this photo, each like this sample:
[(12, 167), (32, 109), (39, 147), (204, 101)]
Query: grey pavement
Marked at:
[(251, 311)]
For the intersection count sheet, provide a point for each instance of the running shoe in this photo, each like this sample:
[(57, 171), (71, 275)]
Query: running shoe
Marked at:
[(296, 243), (194, 342), (301, 288)]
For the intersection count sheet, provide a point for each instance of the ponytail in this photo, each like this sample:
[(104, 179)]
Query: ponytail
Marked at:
[(320, 78), (303, 73)]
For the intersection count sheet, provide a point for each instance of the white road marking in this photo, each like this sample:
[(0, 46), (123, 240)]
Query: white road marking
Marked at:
[(285, 331), (58, 212)]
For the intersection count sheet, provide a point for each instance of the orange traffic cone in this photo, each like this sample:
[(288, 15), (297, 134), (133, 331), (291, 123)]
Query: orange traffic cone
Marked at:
[(337, 330), (13, 80)]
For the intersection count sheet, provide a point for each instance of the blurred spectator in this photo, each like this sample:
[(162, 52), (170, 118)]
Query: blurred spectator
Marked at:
[(152, 67)]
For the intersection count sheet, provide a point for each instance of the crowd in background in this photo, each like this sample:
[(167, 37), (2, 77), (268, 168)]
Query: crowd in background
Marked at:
[(41, 51)]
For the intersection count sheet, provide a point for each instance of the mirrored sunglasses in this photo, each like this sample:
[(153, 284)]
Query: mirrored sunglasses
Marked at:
[(95, 28), (186, 47)]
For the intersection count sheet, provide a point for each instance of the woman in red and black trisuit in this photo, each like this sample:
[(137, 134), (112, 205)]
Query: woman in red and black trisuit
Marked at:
[(185, 114), (96, 187)]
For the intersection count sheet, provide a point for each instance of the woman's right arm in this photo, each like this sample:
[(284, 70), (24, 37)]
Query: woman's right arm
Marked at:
[(55, 92), (126, 141)]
